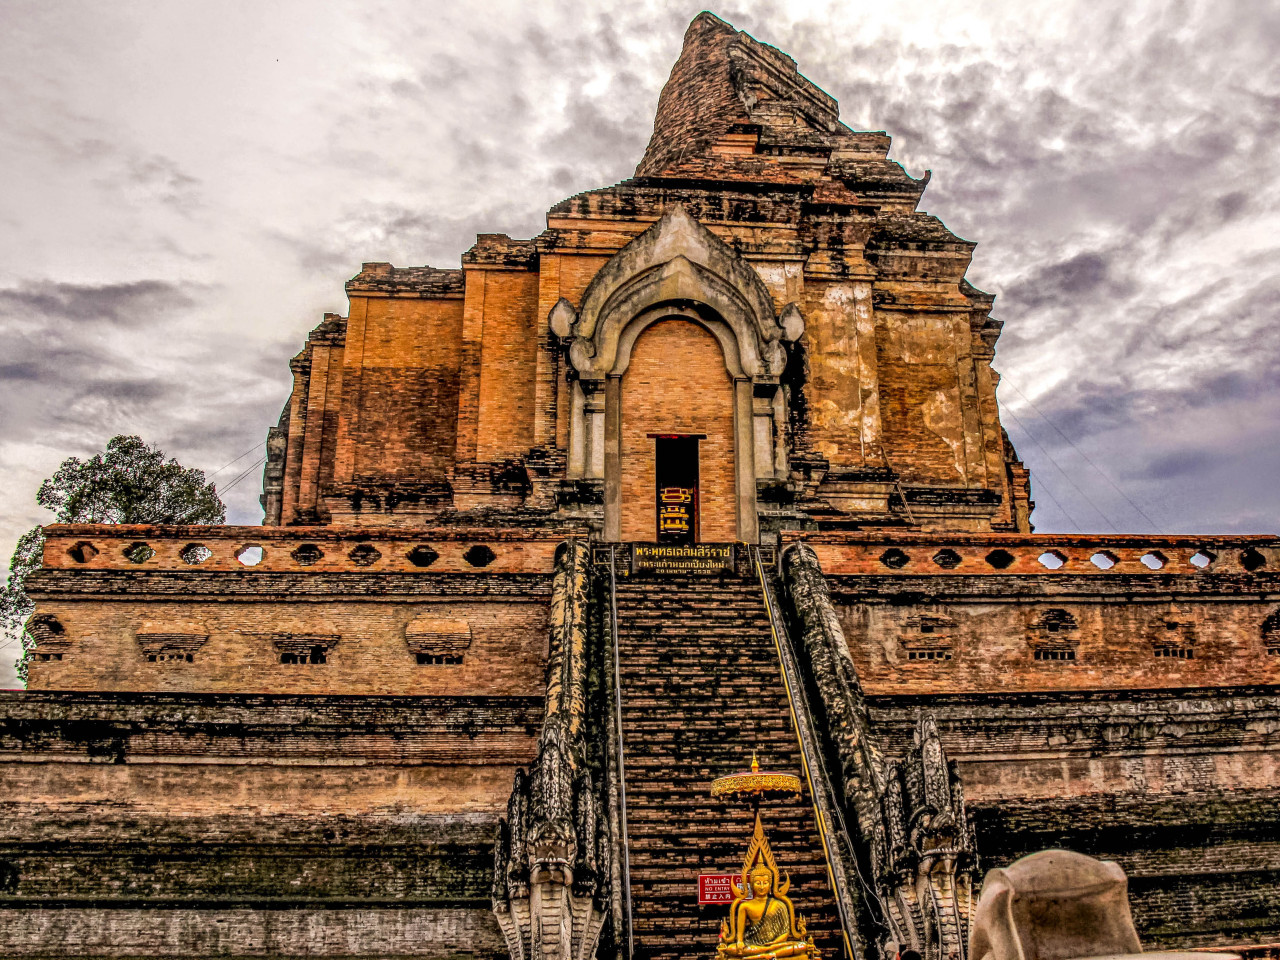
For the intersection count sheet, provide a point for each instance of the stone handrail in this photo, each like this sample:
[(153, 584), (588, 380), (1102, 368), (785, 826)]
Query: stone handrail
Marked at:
[(915, 835), (553, 856)]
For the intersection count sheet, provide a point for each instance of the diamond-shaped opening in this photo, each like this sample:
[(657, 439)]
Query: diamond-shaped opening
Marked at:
[(83, 552), (1104, 559), (1052, 559), (307, 554), (422, 556), (1153, 560), (947, 558), (1000, 559), (1202, 558), (894, 559), (250, 555), (1252, 560), (479, 556), (364, 554), (138, 552), (194, 553)]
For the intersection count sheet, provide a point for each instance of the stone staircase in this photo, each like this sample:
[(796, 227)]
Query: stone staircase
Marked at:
[(701, 687)]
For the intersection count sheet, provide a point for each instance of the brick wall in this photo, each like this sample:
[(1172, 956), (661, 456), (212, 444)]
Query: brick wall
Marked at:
[(400, 389), (433, 933), (991, 646), (369, 652), (508, 361), (1177, 786), (841, 392), (179, 825), (920, 401), (677, 383)]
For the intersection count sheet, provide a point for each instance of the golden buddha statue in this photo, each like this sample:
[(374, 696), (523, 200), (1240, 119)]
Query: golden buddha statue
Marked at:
[(762, 922)]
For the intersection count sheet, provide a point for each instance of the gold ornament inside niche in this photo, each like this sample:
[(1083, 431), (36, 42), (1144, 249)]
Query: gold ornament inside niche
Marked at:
[(762, 922)]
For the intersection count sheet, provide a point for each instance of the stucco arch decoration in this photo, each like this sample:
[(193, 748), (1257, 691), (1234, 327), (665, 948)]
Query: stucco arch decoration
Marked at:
[(676, 262)]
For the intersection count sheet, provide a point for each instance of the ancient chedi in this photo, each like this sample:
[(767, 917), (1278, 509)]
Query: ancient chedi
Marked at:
[(712, 467)]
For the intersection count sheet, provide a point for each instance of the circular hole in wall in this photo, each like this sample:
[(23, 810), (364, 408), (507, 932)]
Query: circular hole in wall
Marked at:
[(1154, 560), (479, 556), (1052, 559), (1000, 559), (83, 552), (138, 552), (894, 559), (364, 554), (422, 556), (307, 554), (1252, 560), (194, 553), (947, 558), (1104, 559), (251, 555)]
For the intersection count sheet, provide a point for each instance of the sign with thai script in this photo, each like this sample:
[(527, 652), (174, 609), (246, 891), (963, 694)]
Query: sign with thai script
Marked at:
[(715, 888), (709, 558)]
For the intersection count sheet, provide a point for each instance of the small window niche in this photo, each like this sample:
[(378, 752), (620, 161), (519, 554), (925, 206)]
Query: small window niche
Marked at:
[(1054, 636), (928, 637), (1271, 635), (1173, 638), (50, 636), (304, 650), (175, 649), (436, 642)]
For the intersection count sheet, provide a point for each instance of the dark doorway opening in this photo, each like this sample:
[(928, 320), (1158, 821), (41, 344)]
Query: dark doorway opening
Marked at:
[(676, 472)]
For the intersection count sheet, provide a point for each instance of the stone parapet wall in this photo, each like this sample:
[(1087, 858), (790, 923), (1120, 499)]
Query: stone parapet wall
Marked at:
[(953, 614), (941, 554), (322, 611), (313, 549)]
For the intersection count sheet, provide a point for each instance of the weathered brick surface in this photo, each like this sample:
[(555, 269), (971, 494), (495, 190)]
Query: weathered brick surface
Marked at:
[(179, 825), (508, 363), (399, 387), (452, 393), (1177, 786), (361, 598), (445, 933), (182, 816), (698, 103), (369, 652), (677, 384)]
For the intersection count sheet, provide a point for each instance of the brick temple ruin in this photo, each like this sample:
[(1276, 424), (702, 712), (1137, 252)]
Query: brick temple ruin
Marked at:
[(711, 466)]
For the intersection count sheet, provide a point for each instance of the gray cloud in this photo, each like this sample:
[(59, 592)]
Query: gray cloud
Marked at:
[(114, 303)]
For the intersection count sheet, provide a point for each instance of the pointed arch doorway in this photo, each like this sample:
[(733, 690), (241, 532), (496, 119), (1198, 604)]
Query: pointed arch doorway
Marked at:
[(677, 450)]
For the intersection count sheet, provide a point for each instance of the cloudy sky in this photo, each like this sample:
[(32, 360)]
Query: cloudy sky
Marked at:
[(186, 186)]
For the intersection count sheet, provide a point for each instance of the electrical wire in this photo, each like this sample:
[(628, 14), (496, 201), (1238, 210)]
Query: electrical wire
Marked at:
[(1038, 481), (236, 460), (1089, 500), (252, 467), (1031, 403)]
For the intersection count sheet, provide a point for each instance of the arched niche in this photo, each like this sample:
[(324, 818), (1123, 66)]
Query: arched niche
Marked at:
[(677, 268)]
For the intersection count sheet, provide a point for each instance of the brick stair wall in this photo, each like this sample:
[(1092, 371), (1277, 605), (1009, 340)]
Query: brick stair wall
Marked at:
[(701, 687)]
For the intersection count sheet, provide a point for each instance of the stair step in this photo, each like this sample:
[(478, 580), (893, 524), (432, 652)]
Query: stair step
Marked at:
[(700, 688)]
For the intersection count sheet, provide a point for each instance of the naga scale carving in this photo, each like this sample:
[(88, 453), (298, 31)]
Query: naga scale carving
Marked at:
[(553, 856), (910, 816)]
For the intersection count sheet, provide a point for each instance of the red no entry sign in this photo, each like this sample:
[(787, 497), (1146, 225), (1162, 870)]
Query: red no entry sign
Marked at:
[(715, 887)]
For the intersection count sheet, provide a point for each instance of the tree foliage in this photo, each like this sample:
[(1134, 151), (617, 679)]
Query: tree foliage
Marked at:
[(130, 482)]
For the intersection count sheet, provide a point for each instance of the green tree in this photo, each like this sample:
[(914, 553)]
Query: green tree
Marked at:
[(130, 482)]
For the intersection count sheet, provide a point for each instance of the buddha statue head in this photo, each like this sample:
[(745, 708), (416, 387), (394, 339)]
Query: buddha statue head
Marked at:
[(761, 881)]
